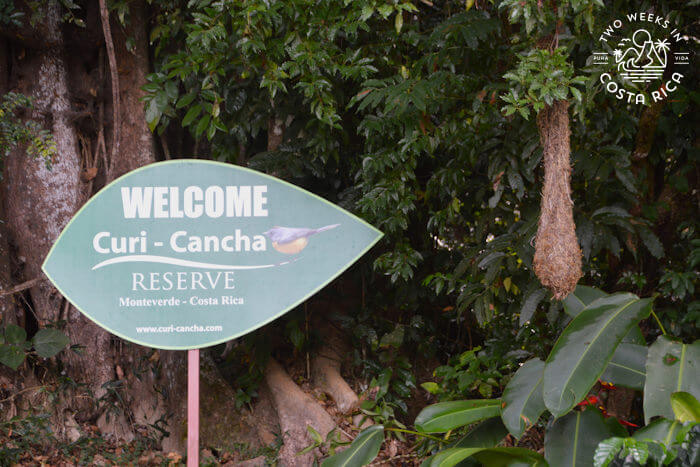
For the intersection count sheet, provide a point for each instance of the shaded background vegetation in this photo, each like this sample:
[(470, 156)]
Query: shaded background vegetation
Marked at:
[(394, 110)]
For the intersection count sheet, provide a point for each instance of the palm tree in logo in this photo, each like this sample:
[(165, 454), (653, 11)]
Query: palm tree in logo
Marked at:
[(617, 53), (662, 46)]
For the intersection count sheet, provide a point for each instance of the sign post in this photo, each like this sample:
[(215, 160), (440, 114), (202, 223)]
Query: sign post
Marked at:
[(187, 254), (192, 407)]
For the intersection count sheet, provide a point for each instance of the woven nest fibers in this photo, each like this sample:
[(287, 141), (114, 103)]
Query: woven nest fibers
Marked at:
[(557, 261)]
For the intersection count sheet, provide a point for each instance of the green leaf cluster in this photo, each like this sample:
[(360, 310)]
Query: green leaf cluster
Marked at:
[(14, 131), (584, 350), (540, 78), (395, 111), (470, 373), (9, 15), (14, 346)]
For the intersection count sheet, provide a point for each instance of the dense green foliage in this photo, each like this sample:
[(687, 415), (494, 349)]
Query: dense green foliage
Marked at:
[(395, 110), (418, 116), (30, 439), (14, 344), (585, 349)]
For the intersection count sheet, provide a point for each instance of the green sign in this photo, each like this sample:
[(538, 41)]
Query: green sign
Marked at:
[(186, 254)]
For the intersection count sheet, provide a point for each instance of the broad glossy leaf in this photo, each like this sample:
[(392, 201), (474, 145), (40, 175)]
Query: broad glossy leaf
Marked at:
[(685, 407), (627, 366), (191, 115), (575, 302), (584, 349), (486, 434), (362, 451), (671, 367), (635, 336), (573, 439), (652, 242), (393, 338), (583, 296), (48, 342), (628, 448), (607, 451), (530, 305), (491, 457), (15, 334), (522, 397), (152, 114), (11, 355), (445, 416), (662, 430), (315, 435)]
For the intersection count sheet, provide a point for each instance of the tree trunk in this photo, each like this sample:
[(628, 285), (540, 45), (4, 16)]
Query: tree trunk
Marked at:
[(7, 308), (40, 201), (296, 411), (136, 146)]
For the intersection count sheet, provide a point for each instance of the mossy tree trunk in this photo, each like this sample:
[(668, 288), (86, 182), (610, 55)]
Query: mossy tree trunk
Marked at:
[(59, 71)]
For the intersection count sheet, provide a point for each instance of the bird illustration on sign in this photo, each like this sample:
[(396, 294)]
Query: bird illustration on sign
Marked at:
[(291, 240)]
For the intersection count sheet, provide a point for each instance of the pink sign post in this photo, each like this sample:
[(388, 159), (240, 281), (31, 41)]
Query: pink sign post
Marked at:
[(193, 408)]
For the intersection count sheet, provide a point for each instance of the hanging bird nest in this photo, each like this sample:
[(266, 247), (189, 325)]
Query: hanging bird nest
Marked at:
[(557, 261)]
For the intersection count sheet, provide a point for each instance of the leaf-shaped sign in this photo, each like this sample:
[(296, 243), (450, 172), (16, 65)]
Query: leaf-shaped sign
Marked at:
[(572, 440), (189, 253), (522, 398), (671, 367), (446, 416), (586, 346)]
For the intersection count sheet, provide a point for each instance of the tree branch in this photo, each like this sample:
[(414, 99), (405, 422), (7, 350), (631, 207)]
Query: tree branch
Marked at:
[(109, 45), (21, 287)]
